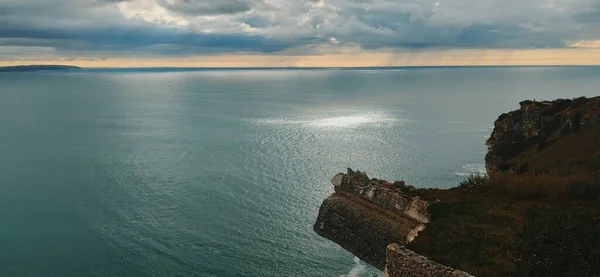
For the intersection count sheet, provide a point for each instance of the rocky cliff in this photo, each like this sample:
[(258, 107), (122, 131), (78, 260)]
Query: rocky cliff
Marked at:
[(365, 216), (521, 135), (537, 213), (402, 262)]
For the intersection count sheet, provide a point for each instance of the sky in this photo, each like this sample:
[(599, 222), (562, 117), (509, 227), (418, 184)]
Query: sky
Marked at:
[(333, 33)]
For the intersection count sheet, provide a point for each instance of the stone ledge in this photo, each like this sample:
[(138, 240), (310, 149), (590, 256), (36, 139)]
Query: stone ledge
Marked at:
[(402, 262)]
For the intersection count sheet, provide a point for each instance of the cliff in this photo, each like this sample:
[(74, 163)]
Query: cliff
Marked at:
[(365, 216), (530, 138), (406, 263), (536, 213)]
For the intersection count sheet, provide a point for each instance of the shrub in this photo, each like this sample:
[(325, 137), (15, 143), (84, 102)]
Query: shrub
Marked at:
[(475, 180)]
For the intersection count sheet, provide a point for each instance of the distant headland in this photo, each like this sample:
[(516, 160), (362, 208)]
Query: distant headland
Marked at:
[(27, 68)]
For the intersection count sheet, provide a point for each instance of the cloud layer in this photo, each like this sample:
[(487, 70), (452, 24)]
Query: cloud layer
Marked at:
[(117, 28)]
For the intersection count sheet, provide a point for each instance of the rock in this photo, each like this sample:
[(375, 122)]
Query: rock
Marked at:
[(402, 262), (387, 185), (365, 215), (536, 126), (376, 192), (418, 210), (361, 229), (337, 180), (361, 178), (374, 183), (400, 185)]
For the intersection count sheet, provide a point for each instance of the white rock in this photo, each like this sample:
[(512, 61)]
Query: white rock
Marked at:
[(337, 179)]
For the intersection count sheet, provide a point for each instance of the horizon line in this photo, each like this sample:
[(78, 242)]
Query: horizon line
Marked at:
[(298, 67)]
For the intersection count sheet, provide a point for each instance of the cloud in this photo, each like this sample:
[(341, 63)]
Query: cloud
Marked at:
[(206, 7), (592, 44), (195, 27)]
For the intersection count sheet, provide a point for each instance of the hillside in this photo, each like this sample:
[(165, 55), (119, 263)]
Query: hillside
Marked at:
[(537, 214)]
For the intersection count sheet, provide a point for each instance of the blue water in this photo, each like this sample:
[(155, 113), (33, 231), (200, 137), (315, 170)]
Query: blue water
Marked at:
[(221, 172)]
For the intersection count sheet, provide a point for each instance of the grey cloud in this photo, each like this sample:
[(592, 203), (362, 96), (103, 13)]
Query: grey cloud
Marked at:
[(206, 7), (463, 23), (102, 27)]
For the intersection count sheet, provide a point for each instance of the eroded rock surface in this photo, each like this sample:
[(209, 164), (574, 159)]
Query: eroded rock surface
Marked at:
[(535, 126), (365, 215), (364, 231), (402, 262), (383, 194)]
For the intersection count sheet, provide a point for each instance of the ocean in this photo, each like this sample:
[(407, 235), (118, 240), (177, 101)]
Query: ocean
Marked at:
[(181, 172)]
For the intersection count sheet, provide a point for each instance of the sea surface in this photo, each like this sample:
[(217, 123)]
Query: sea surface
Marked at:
[(221, 172)]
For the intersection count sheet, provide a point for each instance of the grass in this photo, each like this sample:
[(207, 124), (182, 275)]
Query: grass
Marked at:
[(543, 220), (569, 155), (544, 186), (560, 243), (506, 224), (532, 186)]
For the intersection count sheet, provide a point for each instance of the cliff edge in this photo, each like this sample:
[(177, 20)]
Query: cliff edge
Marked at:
[(548, 135), (536, 212), (367, 216)]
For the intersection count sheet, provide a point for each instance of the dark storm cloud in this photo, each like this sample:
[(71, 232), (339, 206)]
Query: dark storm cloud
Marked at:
[(95, 27), (123, 39), (206, 7), (186, 27)]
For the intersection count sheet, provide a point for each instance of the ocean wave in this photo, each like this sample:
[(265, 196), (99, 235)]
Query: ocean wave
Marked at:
[(462, 174), (356, 270), (454, 122), (469, 169), (380, 70)]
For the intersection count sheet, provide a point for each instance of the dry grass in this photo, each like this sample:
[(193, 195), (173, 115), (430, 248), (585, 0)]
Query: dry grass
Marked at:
[(545, 222), (497, 225), (551, 186), (569, 155)]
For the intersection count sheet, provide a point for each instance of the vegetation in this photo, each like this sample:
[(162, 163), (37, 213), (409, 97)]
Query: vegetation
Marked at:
[(532, 224), (474, 181), (540, 217)]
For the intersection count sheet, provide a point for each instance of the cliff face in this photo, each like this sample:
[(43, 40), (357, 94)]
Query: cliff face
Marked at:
[(402, 262), (363, 230), (365, 215), (521, 135)]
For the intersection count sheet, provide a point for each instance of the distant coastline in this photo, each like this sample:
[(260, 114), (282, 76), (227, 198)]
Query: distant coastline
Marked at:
[(34, 68), (200, 68), (27, 68)]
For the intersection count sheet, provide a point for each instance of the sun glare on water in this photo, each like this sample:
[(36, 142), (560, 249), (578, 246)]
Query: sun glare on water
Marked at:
[(346, 121)]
